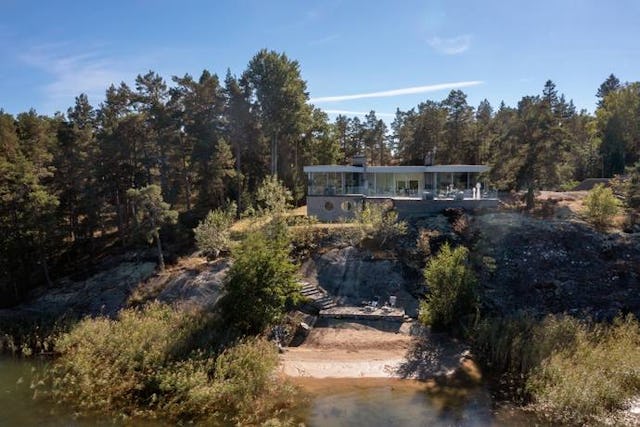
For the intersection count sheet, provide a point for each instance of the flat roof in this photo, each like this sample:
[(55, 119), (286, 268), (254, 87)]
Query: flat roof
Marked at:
[(333, 168), (457, 168), (398, 169)]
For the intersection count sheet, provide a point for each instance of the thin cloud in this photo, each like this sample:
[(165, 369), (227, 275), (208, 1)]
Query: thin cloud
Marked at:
[(72, 73), (357, 113), (452, 45), (397, 92), (324, 40)]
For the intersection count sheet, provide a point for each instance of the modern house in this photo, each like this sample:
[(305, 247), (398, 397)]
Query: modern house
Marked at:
[(335, 192)]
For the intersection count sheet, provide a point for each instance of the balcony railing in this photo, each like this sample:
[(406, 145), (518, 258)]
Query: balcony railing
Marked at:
[(451, 194)]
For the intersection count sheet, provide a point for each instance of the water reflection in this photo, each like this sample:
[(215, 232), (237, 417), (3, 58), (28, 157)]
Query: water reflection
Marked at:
[(19, 408), (332, 403), (402, 403)]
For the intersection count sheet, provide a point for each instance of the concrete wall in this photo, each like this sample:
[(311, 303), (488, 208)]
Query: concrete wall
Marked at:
[(339, 208), (333, 208), (408, 208)]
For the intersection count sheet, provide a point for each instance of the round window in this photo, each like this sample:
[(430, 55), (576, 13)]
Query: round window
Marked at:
[(347, 206), (328, 206)]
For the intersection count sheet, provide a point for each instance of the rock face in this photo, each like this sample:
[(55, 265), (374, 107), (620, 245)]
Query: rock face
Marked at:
[(122, 284), (193, 288), (103, 293), (354, 275), (556, 266)]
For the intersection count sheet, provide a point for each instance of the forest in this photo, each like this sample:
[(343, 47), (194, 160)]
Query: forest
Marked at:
[(68, 182)]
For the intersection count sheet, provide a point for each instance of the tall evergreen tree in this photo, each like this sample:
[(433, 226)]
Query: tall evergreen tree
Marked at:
[(483, 130), (75, 169), (246, 138), (374, 140), (280, 99), (202, 127), (611, 84), (459, 147)]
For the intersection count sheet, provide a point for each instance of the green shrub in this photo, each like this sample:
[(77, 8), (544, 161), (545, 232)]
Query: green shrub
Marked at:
[(600, 206), (381, 223), (145, 364), (28, 336), (261, 282), (306, 239), (594, 377), (569, 370), (517, 345), (452, 295), (213, 233), (247, 386), (423, 242), (569, 185), (272, 197), (113, 364)]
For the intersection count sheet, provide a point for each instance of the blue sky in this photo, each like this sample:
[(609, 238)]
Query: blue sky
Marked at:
[(408, 50)]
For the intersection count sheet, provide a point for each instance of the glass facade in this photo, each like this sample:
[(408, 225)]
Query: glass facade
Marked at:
[(441, 185)]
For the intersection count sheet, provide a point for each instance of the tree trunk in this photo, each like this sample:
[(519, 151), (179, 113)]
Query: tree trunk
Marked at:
[(529, 198), (45, 267), (120, 215), (274, 155), (159, 247), (239, 179), (187, 180)]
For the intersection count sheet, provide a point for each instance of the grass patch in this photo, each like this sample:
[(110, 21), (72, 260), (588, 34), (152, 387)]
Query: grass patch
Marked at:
[(27, 336), (152, 363), (592, 378), (568, 371)]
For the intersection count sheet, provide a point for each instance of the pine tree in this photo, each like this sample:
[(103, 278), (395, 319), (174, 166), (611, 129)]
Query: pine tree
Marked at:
[(152, 213), (459, 146), (75, 169), (611, 84), (280, 99)]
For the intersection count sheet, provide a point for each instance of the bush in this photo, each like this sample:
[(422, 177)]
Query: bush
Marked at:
[(380, 223), (423, 242), (571, 371), (569, 185), (306, 239), (600, 206), (247, 387), (631, 190), (144, 364), (261, 281), (272, 196), (593, 378), (517, 345), (213, 233), (452, 293)]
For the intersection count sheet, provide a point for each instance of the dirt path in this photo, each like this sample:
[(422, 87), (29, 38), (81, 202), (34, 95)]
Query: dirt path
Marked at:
[(360, 351)]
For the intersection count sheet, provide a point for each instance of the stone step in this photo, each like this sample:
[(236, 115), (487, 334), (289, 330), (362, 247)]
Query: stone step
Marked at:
[(317, 298)]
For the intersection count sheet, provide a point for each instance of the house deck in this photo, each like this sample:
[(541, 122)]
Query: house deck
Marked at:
[(337, 192)]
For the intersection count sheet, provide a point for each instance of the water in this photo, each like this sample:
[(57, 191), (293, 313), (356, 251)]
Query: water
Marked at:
[(367, 402), (18, 408), (331, 403)]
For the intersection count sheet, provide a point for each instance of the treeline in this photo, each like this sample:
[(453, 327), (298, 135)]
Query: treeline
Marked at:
[(64, 179)]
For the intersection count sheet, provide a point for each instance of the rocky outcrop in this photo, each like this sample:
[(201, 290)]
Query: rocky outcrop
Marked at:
[(554, 266), (124, 284), (105, 293), (353, 276)]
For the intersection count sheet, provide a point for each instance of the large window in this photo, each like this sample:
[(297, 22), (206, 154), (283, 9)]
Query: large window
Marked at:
[(325, 183), (408, 184), (384, 185)]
